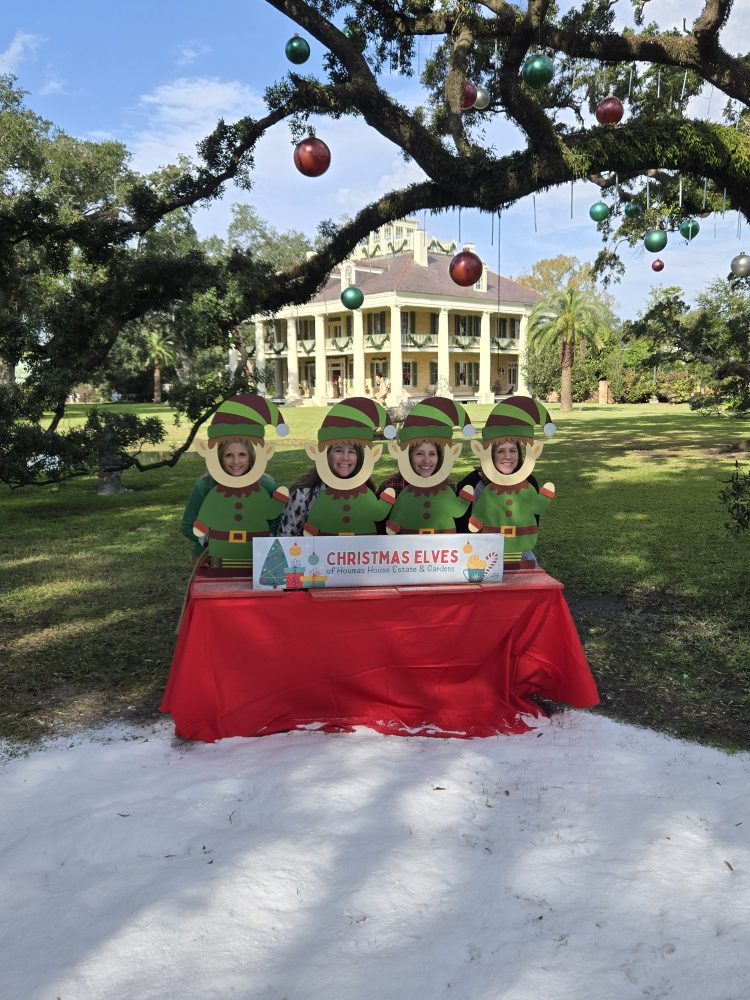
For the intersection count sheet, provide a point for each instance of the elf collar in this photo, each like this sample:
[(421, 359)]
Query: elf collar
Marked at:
[(346, 494), (500, 490), (426, 491), (234, 491)]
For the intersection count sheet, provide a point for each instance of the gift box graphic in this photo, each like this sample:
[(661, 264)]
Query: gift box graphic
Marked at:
[(314, 580), (294, 581)]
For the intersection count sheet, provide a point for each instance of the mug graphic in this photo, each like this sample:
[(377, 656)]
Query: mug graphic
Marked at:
[(474, 575)]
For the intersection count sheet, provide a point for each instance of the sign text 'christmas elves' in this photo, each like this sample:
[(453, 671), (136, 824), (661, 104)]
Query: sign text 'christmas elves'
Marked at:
[(374, 560)]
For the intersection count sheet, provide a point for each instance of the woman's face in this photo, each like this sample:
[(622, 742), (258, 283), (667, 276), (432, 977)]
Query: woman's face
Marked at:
[(236, 459), (424, 459), (342, 460), (505, 457)]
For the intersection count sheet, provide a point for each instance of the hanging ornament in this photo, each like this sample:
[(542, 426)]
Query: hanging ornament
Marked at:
[(352, 297), (632, 209), (538, 71), (312, 157), (482, 99), (356, 35), (655, 240), (297, 50), (465, 268), (657, 265), (690, 229), (740, 265), (599, 211), (609, 110), (469, 96)]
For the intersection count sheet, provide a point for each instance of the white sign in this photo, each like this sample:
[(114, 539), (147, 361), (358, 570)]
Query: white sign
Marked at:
[(375, 560)]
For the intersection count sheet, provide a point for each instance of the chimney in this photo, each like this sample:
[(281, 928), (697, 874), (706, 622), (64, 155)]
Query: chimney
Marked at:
[(420, 247)]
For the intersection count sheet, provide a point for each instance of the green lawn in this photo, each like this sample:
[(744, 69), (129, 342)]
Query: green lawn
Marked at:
[(92, 586)]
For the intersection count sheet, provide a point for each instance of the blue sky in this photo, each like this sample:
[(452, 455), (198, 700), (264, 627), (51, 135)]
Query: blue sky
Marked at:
[(157, 75)]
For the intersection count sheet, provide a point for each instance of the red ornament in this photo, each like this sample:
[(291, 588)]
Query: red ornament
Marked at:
[(469, 96), (657, 265), (609, 110), (465, 268), (312, 157)]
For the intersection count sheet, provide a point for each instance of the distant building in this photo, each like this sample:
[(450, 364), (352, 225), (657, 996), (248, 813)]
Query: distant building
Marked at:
[(416, 330)]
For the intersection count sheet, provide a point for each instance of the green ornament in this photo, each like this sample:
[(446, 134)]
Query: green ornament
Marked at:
[(352, 297), (689, 229), (313, 560), (538, 71), (632, 209), (655, 240), (599, 211), (356, 35), (297, 50)]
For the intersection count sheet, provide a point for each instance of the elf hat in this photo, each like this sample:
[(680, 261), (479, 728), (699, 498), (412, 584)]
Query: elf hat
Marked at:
[(516, 417), (355, 419), (246, 415), (435, 418)]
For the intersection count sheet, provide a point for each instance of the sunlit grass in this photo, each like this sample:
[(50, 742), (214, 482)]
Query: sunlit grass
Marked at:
[(91, 587)]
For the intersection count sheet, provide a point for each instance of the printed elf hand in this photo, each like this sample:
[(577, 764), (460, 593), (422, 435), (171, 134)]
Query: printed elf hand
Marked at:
[(475, 525), (391, 528), (389, 495), (548, 490), (281, 493), (466, 492)]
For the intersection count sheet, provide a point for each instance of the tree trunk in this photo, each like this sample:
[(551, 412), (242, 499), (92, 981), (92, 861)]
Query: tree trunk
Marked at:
[(157, 383), (566, 372)]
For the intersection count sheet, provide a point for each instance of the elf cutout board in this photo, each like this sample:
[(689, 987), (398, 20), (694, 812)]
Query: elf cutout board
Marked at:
[(238, 509)]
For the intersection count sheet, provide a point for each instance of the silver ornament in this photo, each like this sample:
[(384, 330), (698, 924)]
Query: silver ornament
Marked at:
[(740, 266), (483, 99)]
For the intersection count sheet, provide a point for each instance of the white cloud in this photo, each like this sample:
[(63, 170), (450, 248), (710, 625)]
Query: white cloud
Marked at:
[(24, 44), (52, 86), (189, 52), (179, 114)]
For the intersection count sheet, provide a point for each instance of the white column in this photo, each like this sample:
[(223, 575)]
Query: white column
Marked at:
[(260, 351), (321, 375), (358, 352), (292, 360), (522, 389), (485, 394), (443, 352), (397, 373)]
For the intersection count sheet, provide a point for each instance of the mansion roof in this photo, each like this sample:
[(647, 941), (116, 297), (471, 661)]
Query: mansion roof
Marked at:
[(400, 273)]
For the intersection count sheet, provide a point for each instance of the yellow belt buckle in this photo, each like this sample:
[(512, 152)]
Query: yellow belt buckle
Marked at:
[(346, 534), (237, 536), (508, 529), (426, 531)]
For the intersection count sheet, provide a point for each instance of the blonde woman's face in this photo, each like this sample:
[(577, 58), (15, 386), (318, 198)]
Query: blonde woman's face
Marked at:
[(235, 459), (505, 457), (424, 459)]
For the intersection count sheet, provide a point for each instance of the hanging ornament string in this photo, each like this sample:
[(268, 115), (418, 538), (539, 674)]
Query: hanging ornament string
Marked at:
[(459, 225), (680, 194), (648, 193), (492, 229), (499, 222), (705, 190), (571, 199), (617, 194), (533, 201), (739, 225), (630, 82), (724, 203), (684, 85), (710, 95), (658, 85)]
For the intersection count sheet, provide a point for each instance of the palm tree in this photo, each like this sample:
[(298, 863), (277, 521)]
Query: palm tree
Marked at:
[(160, 351), (568, 318)]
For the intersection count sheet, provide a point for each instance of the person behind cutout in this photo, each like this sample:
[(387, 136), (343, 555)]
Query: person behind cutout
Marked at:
[(236, 456), (337, 496), (238, 508), (509, 502), (426, 500)]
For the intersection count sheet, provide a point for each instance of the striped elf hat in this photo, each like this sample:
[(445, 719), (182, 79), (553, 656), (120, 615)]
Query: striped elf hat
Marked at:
[(434, 418), (355, 419), (516, 417), (246, 415)]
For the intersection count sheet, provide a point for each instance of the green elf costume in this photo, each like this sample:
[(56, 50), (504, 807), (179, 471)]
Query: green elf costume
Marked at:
[(342, 510), (232, 515), (511, 509), (431, 509)]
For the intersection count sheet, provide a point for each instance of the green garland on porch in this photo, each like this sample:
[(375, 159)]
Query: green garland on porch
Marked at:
[(414, 341), (302, 344), (442, 247), (373, 341), (340, 347), (464, 343)]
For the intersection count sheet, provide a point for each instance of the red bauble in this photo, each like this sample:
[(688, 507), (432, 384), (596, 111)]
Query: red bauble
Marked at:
[(609, 110), (469, 96), (657, 265), (465, 268), (312, 157)]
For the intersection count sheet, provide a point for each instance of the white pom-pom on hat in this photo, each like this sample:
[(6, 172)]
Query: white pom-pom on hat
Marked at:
[(468, 430), (549, 429), (390, 432)]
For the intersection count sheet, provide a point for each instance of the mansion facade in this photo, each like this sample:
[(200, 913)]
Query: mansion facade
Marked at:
[(416, 332)]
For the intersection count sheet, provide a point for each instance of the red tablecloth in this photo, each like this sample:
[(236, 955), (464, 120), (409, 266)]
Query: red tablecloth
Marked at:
[(439, 660)]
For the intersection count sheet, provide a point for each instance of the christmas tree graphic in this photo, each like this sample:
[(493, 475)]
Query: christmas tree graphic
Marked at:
[(274, 570)]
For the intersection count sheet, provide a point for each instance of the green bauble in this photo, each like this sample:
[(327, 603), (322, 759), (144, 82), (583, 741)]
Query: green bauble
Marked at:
[(297, 50), (632, 209), (538, 71), (356, 35), (599, 211), (689, 229), (655, 240), (352, 297)]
